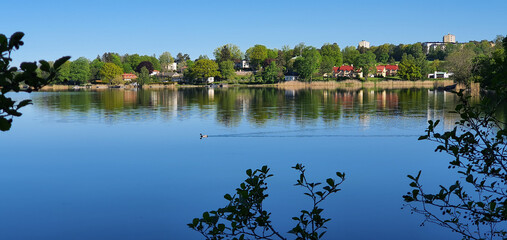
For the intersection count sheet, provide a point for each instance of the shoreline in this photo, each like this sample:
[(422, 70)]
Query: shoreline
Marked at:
[(293, 85)]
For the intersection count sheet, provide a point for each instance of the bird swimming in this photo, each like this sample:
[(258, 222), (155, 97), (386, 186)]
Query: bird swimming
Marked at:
[(204, 136)]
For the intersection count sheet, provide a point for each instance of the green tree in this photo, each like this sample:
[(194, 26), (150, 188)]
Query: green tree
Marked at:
[(332, 51), (257, 54), (109, 71), (245, 217), (272, 53), (11, 78), (63, 73), (165, 59), (350, 54), (331, 57), (382, 52), (227, 70), (180, 58), (204, 69), (144, 77), (112, 58), (308, 64), (270, 74), (117, 80), (127, 68), (80, 70), (95, 67), (327, 64), (460, 64), (228, 52), (133, 60), (408, 68), (491, 71), (366, 62)]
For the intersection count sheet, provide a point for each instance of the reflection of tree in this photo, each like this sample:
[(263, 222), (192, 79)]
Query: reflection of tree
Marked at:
[(258, 106)]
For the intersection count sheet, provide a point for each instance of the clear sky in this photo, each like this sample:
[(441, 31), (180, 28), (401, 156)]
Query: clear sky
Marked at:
[(89, 28)]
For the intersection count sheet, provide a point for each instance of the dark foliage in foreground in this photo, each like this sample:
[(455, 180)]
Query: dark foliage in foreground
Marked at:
[(244, 217), (11, 78)]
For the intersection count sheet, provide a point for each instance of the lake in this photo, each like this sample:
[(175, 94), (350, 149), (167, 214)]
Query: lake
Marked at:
[(127, 164)]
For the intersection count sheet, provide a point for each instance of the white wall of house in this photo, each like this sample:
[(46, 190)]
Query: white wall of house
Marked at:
[(290, 78)]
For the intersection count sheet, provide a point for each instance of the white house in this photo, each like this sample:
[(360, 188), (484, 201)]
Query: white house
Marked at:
[(242, 64), (155, 72), (210, 80), (364, 44), (291, 78), (440, 75)]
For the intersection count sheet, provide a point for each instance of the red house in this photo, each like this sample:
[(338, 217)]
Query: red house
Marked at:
[(344, 71), (128, 77)]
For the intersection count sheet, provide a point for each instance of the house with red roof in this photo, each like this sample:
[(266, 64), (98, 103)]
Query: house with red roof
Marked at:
[(344, 71), (128, 77), (387, 70)]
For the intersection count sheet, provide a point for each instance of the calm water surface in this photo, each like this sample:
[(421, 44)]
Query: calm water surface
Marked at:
[(123, 164)]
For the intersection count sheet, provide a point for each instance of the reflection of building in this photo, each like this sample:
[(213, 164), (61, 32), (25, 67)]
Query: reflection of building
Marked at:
[(129, 96), (439, 105), (211, 93)]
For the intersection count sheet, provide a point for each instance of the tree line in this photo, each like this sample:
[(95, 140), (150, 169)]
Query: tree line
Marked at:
[(468, 62)]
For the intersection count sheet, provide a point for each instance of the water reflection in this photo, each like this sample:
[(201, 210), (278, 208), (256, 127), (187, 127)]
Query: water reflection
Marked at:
[(231, 106)]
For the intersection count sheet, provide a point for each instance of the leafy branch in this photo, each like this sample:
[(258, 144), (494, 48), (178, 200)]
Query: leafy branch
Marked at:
[(11, 78), (477, 207), (245, 217)]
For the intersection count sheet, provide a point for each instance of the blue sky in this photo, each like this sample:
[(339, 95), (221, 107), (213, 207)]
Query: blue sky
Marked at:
[(89, 28)]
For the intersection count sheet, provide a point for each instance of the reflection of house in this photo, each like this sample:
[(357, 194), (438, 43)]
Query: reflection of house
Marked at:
[(439, 75), (241, 64), (128, 77), (387, 70)]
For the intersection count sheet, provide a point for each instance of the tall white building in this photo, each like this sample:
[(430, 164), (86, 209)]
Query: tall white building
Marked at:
[(364, 44), (449, 38)]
